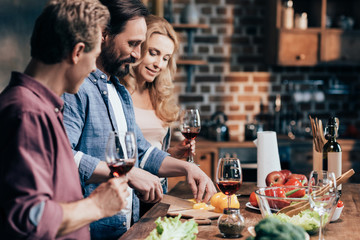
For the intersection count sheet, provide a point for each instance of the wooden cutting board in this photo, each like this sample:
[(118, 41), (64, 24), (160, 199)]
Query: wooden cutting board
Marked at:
[(184, 207)]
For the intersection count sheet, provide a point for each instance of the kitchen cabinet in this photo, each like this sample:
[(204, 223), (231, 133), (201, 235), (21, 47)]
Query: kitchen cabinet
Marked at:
[(332, 35)]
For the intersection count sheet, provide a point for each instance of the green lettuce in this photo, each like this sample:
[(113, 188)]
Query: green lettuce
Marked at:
[(173, 229), (307, 219)]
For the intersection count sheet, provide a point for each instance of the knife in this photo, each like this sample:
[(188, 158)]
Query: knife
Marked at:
[(176, 204)]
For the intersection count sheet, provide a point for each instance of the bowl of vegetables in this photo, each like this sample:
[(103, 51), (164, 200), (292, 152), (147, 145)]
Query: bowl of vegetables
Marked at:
[(272, 199), (289, 204)]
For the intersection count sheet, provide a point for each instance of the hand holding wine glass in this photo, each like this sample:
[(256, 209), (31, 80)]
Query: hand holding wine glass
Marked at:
[(322, 196), (121, 152), (190, 126), (229, 176)]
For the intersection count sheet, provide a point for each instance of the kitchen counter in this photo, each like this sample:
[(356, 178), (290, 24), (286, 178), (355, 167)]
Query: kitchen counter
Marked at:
[(344, 228), (346, 144)]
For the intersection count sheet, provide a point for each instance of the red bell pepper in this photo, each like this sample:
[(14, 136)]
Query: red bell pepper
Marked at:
[(294, 192), (277, 192)]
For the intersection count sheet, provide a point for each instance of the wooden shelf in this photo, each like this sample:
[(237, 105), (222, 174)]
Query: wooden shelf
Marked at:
[(317, 44), (297, 30), (190, 62), (189, 26)]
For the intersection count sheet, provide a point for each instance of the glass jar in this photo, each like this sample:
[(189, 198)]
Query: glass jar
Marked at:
[(231, 223)]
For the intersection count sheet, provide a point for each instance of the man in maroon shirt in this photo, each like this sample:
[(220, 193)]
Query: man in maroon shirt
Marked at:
[(40, 193)]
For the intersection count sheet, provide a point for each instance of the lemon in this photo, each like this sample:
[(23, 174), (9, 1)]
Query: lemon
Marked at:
[(202, 206), (193, 200)]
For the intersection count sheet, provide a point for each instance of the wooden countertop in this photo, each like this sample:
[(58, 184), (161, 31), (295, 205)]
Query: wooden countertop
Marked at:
[(346, 144), (345, 228)]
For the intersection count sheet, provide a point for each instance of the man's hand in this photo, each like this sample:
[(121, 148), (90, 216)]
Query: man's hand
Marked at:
[(200, 183), (105, 201), (147, 184), (110, 197)]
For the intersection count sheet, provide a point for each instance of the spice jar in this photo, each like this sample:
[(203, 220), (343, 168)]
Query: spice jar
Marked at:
[(231, 223)]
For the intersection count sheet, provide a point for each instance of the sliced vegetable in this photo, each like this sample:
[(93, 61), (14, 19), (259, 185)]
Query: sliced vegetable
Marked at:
[(340, 203)]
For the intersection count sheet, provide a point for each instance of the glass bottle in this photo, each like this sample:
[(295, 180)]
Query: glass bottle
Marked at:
[(231, 223), (332, 155), (288, 15)]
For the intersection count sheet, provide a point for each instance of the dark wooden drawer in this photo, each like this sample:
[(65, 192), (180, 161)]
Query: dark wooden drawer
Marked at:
[(298, 48)]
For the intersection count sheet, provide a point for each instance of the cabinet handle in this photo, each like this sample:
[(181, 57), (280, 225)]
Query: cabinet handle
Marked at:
[(301, 57)]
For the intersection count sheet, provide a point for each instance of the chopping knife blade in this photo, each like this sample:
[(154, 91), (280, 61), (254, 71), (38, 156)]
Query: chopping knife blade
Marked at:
[(176, 204)]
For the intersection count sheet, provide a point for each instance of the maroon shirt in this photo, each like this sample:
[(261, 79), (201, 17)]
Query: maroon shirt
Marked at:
[(36, 162)]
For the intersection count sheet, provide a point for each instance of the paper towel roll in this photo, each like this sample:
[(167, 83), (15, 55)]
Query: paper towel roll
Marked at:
[(267, 155)]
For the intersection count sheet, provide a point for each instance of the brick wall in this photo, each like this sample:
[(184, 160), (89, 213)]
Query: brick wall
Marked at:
[(238, 82)]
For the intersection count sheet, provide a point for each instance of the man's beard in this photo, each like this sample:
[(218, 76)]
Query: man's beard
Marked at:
[(112, 63)]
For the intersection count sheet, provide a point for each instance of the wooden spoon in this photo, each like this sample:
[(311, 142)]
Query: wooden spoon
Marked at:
[(301, 206)]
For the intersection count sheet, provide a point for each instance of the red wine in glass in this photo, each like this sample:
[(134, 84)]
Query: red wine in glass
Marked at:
[(190, 133), (121, 166), (229, 187), (190, 127), (121, 152), (229, 176)]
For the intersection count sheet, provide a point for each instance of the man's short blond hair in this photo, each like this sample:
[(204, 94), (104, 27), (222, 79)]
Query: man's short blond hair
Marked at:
[(63, 24)]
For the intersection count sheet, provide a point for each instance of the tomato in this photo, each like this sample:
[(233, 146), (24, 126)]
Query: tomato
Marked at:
[(277, 203), (340, 203), (290, 192), (293, 182), (276, 192), (253, 200)]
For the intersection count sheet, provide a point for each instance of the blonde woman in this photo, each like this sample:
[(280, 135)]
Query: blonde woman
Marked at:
[(152, 90)]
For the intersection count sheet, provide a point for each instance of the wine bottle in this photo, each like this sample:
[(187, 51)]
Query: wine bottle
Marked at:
[(332, 154)]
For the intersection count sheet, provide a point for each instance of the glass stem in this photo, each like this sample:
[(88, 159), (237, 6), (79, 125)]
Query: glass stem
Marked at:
[(229, 201), (190, 157), (321, 229)]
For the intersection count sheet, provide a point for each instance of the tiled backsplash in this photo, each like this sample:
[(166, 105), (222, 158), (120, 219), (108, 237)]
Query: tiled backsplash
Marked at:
[(238, 82)]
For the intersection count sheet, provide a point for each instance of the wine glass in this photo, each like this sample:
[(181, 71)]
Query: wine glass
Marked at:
[(322, 196), (229, 176), (120, 152), (190, 127)]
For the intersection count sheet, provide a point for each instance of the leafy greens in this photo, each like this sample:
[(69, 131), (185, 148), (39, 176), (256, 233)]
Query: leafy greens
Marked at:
[(173, 229)]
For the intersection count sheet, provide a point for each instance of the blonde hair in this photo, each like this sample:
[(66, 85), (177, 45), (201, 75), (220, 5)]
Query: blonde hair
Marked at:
[(63, 24), (161, 90)]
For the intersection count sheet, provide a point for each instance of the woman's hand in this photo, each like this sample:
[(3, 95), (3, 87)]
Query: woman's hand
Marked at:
[(182, 149)]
